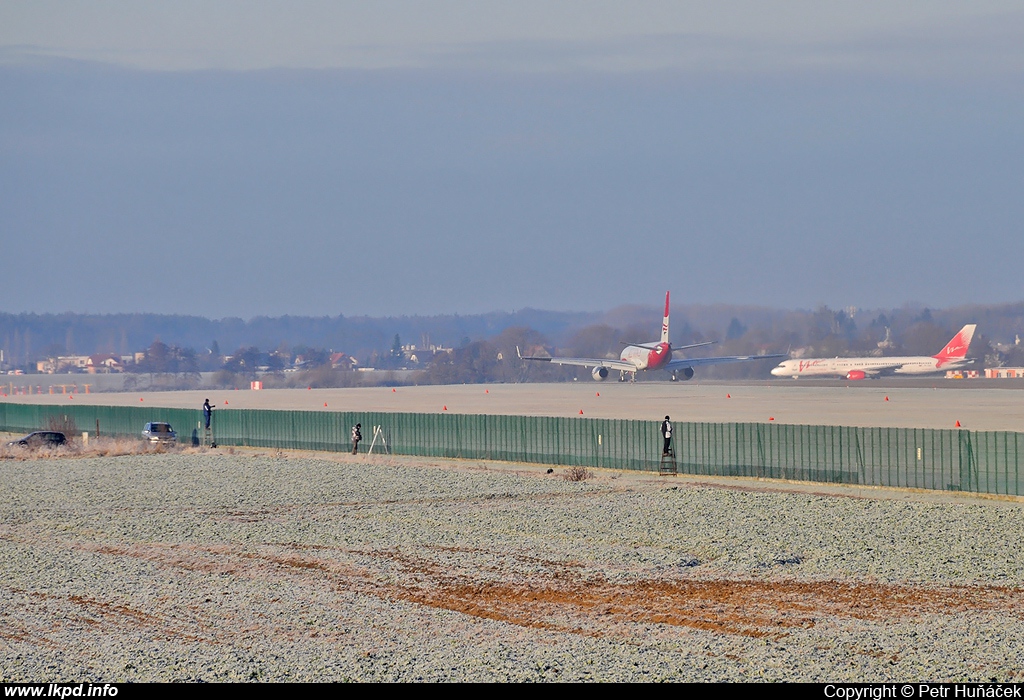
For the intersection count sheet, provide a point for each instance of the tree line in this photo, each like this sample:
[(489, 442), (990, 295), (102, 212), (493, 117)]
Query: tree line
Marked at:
[(483, 348)]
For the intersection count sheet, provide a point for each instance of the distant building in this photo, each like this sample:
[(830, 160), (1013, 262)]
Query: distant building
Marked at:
[(415, 354), (1005, 373), (886, 343), (991, 373), (104, 363), (101, 363), (340, 360)]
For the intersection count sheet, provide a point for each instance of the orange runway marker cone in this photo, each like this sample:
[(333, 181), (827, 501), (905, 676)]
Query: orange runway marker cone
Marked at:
[(140, 398), (728, 396), (771, 417), (444, 408), (598, 393), (487, 391), (325, 404), (958, 424), (393, 391), (581, 411), (225, 403), (886, 398)]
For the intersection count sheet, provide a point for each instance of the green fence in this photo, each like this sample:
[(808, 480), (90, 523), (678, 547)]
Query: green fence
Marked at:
[(963, 460)]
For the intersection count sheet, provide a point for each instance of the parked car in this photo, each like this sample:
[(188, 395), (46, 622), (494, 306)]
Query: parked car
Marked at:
[(40, 438), (160, 433)]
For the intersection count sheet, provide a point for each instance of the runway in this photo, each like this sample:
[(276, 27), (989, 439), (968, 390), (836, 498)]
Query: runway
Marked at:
[(976, 406)]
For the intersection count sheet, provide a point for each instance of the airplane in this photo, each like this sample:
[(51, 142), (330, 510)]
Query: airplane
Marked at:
[(637, 357), (953, 356)]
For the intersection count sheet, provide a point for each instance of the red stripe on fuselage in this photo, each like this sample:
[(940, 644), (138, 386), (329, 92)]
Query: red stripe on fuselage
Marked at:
[(659, 357), (644, 358)]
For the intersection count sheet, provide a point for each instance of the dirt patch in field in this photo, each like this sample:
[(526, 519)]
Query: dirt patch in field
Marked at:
[(556, 596), (570, 600)]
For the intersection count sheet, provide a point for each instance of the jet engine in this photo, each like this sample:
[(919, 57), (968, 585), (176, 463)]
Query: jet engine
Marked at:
[(599, 374), (855, 374), (684, 374)]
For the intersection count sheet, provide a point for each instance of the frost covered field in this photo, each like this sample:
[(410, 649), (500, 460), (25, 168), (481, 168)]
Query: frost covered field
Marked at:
[(271, 567)]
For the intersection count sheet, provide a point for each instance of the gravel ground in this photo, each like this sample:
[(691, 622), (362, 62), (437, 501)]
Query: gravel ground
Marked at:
[(284, 567)]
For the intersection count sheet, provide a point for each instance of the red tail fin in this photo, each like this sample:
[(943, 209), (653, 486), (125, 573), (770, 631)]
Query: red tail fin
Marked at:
[(664, 323), (956, 349)]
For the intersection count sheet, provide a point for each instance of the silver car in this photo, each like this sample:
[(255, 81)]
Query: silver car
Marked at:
[(161, 433)]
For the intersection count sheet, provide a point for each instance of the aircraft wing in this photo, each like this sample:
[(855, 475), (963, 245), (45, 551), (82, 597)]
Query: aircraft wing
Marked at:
[(704, 361), (584, 362)]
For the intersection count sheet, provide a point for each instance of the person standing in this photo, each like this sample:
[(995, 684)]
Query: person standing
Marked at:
[(666, 433), (207, 413), (357, 435)]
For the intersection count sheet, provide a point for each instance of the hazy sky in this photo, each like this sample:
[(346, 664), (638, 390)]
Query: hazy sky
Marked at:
[(388, 158)]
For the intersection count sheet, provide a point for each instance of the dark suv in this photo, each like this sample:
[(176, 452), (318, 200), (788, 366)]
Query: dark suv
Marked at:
[(40, 438)]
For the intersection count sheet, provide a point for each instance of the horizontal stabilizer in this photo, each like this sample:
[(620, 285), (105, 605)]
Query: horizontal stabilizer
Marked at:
[(654, 346)]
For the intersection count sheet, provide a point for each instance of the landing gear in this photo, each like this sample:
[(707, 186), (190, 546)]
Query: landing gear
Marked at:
[(622, 376), (675, 377)]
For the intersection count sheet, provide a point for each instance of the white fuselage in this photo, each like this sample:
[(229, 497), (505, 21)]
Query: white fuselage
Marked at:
[(869, 366), (647, 358)]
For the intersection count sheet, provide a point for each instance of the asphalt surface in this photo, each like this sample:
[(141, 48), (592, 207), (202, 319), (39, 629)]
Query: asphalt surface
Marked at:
[(941, 403)]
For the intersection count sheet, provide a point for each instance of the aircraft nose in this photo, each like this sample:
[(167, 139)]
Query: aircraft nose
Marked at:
[(778, 371)]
